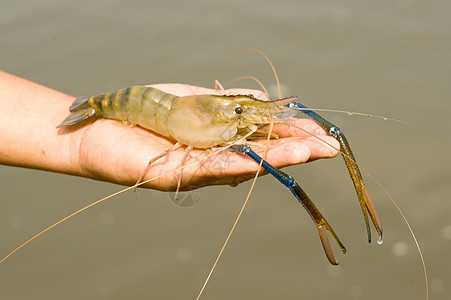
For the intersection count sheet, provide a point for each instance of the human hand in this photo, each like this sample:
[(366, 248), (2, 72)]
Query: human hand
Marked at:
[(111, 151)]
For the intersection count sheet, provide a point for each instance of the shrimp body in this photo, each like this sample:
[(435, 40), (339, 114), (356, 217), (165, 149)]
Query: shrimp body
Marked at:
[(201, 121)]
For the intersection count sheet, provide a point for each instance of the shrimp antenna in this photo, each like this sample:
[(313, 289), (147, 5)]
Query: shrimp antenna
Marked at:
[(261, 161), (233, 57), (354, 113), (423, 263), (252, 78), (218, 257)]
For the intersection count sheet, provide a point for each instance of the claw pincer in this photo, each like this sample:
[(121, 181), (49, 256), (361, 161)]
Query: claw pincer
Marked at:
[(366, 204), (302, 197), (321, 223)]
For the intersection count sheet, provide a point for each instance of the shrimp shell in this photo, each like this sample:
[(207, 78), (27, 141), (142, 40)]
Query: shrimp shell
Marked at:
[(201, 121)]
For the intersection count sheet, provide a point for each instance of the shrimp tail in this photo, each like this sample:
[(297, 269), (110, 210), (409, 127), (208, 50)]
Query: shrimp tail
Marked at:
[(80, 110)]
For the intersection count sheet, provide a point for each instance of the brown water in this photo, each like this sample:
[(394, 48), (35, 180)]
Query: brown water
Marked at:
[(388, 58)]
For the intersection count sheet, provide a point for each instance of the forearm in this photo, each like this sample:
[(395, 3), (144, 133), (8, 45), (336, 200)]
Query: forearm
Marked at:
[(106, 150), (29, 115)]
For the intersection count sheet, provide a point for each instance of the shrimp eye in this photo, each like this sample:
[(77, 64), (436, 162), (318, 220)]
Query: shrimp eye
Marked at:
[(239, 110)]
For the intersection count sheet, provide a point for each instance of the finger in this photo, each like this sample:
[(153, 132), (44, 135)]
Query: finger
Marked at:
[(179, 89), (295, 150), (290, 151), (299, 128), (254, 93), (188, 90), (281, 153), (325, 147)]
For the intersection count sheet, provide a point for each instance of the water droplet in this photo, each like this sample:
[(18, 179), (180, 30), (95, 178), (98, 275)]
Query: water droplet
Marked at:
[(380, 241), (350, 114), (385, 119)]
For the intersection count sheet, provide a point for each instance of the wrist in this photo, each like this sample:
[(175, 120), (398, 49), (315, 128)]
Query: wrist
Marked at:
[(28, 119)]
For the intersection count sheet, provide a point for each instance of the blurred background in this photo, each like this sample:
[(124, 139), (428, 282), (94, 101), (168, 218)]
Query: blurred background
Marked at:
[(389, 58)]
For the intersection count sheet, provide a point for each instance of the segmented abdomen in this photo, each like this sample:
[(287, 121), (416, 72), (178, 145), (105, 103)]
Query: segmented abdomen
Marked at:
[(144, 106)]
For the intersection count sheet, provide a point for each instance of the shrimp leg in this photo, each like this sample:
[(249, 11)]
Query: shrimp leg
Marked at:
[(302, 197), (366, 204), (182, 163), (162, 154)]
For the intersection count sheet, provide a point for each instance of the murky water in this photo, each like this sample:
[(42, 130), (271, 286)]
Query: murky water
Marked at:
[(386, 58)]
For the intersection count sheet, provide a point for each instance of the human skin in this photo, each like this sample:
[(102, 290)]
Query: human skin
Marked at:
[(108, 150)]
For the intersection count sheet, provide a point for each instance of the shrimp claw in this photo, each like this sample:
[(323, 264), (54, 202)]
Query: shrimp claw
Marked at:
[(320, 222), (366, 204)]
